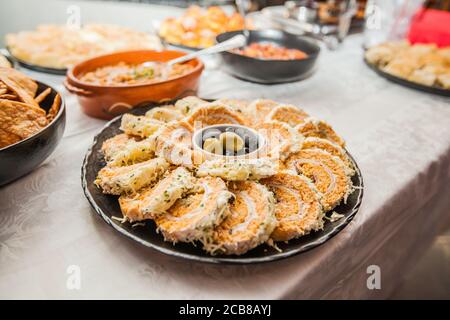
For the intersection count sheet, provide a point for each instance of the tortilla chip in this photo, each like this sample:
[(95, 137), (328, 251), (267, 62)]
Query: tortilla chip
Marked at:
[(42, 95), (8, 96), (19, 119), (18, 90), (7, 138), (26, 83), (53, 111)]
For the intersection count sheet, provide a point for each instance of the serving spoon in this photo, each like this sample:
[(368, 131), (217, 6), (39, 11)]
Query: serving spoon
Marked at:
[(237, 41)]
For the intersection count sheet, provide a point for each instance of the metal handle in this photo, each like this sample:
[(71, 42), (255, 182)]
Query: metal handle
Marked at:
[(241, 5), (235, 42)]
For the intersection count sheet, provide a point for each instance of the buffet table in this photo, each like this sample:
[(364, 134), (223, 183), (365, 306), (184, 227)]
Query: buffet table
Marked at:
[(399, 137)]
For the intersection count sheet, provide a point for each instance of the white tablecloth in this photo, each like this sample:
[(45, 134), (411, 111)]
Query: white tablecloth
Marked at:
[(399, 137)]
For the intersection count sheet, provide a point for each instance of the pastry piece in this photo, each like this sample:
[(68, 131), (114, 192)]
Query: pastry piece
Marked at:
[(130, 179), (195, 216), (327, 172), (444, 80), (422, 76), (401, 68), (298, 209), (379, 55), (319, 129), (154, 201), (250, 223)]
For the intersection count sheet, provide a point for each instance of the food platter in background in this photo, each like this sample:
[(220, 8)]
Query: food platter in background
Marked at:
[(197, 28), (38, 68), (55, 48), (407, 83), (421, 67)]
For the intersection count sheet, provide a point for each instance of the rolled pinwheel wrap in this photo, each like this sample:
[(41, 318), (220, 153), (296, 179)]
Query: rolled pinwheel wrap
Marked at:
[(129, 179), (154, 201), (215, 113), (195, 216), (327, 172), (259, 109), (164, 114), (281, 140), (291, 115), (298, 209), (250, 222), (174, 143), (330, 147)]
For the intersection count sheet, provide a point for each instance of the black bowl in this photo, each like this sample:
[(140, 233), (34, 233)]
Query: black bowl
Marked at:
[(271, 71), (22, 157)]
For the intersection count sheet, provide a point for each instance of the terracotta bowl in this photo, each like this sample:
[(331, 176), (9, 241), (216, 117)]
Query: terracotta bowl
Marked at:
[(106, 102)]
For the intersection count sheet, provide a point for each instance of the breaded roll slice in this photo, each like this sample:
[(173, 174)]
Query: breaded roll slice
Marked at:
[(140, 126), (123, 150), (174, 143), (250, 223), (320, 129), (189, 104), (130, 179), (215, 113), (195, 216), (259, 109), (327, 172), (332, 148), (298, 209), (281, 139), (154, 201), (164, 114), (289, 114)]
